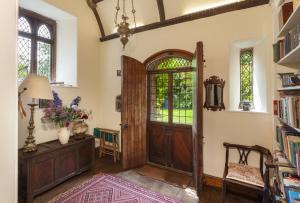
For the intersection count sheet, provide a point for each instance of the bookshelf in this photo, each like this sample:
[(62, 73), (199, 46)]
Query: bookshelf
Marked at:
[(292, 21), (285, 89), (291, 127), (288, 118), (292, 59)]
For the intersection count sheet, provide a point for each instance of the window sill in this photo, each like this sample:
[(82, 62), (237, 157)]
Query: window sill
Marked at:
[(64, 86), (249, 112)]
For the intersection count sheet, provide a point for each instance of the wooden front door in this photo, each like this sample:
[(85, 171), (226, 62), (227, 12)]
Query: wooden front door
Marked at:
[(170, 119), (134, 113), (197, 130)]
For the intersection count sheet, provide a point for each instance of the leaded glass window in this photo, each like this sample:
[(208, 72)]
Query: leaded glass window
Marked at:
[(169, 63), (246, 75), (44, 32), (36, 45), (159, 97), (24, 57), (171, 90), (23, 25), (182, 98)]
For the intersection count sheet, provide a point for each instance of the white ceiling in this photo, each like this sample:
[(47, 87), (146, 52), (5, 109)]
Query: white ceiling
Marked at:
[(147, 10), (175, 8)]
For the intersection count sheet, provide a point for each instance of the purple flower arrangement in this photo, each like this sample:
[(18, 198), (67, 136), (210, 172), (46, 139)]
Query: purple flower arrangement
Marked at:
[(61, 115)]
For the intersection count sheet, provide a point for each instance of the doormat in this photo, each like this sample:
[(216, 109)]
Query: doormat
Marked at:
[(164, 175)]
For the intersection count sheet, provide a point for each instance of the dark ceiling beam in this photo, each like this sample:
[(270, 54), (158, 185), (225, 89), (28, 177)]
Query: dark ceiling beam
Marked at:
[(93, 6), (194, 16), (97, 1), (161, 10)]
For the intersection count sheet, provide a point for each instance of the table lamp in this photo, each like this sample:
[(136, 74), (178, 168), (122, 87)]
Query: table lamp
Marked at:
[(35, 87)]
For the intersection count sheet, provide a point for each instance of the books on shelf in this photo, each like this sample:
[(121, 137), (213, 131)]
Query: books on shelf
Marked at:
[(285, 45), (284, 13), (284, 174), (292, 194), (289, 110), (287, 79), (289, 143)]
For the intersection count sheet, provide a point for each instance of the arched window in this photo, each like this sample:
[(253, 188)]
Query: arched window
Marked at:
[(246, 77), (23, 25), (36, 45), (44, 32), (170, 89)]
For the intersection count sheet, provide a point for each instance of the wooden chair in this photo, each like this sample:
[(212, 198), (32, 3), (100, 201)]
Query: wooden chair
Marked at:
[(109, 142), (242, 179)]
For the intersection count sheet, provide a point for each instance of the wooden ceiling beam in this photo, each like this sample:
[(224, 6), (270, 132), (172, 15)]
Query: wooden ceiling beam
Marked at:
[(93, 6), (161, 10), (97, 1), (194, 16)]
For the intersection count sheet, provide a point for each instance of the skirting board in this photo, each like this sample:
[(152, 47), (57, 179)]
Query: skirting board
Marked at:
[(212, 181)]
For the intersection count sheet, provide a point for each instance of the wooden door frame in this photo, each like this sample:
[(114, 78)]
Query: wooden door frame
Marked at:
[(199, 123), (199, 71)]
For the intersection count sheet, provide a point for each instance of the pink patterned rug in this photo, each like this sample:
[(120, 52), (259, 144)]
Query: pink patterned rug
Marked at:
[(110, 189)]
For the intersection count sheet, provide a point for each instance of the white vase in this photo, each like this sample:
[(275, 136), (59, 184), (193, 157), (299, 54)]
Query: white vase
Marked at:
[(63, 135)]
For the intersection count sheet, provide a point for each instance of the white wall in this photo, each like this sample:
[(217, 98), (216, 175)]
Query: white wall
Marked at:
[(218, 33), (8, 107), (88, 63)]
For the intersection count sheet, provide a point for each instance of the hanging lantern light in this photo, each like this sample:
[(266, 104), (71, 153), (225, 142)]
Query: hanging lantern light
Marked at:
[(124, 30)]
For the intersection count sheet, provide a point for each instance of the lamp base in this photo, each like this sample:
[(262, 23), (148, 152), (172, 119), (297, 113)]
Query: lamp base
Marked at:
[(30, 145)]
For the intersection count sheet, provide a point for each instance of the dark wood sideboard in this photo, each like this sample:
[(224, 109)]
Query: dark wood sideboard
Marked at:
[(53, 164)]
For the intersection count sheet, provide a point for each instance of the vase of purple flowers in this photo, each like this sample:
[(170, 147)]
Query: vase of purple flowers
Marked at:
[(63, 116)]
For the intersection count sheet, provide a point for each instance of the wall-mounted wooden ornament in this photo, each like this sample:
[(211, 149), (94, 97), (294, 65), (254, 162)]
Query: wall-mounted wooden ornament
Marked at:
[(214, 87)]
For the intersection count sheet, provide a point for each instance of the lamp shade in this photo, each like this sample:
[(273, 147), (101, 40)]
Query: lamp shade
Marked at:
[(37, 87)]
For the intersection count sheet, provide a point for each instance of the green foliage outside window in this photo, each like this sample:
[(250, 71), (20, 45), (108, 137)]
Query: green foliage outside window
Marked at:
[(173, 63), (246, 75), (181, 91)]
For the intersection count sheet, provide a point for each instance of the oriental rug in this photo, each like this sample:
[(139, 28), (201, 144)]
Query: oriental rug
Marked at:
[(110, 189)]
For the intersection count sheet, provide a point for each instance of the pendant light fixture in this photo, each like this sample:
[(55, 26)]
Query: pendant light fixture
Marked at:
[(123, 26)]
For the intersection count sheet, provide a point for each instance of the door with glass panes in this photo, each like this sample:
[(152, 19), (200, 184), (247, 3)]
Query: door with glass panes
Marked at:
[(170, 110)]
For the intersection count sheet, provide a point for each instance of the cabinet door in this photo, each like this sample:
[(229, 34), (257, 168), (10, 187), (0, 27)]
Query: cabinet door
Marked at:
[(65, 164), (86, 155), (42, 173)]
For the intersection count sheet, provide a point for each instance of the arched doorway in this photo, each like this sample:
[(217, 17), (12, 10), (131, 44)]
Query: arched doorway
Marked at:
[(184, 124), (170, 113)]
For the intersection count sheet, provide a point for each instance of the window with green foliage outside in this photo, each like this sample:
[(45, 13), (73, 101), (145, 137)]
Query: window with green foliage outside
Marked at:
[(35, 48), (246, 75), (171, 91)]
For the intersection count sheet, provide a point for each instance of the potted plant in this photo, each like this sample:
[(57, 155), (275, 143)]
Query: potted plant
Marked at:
[(63, 117)]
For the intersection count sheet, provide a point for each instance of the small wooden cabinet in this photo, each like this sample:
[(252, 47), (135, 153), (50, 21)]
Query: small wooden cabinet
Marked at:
[(52, 164)]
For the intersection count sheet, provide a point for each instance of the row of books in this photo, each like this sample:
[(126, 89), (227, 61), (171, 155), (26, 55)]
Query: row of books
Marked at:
[(287, 79), (287, 44), (289, 183), (286, 10), (289, 143), (289, 110)]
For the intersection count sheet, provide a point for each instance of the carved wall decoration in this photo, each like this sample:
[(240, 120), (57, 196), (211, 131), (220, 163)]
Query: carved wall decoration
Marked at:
[(214, 87)]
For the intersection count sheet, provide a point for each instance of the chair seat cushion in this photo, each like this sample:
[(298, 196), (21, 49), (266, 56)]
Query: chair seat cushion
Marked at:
[(244, 173)]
